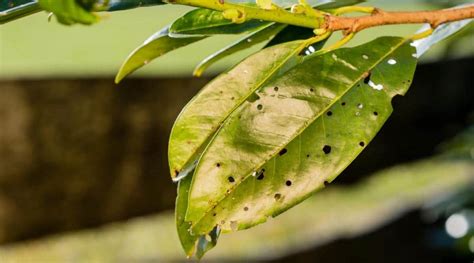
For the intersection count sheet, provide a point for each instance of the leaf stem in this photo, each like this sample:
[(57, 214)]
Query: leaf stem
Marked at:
[(331, 20), (380, 18), (280, 15)]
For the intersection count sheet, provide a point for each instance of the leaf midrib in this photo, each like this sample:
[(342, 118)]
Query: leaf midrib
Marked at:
[(231, 190), (272, 73)]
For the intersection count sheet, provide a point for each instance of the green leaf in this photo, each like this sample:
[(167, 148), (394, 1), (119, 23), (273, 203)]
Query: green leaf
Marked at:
[(192, 245), (6, 5), (204, 114), (208, 22), (301, 131), (12, 10), (69, 12), (248, 41), (157, 45)]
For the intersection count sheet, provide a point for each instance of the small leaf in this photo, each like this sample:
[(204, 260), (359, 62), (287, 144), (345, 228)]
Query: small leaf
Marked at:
[(157, 45), (208, 22), (69, 12), (204, 114), (302, 130), (246, 42)]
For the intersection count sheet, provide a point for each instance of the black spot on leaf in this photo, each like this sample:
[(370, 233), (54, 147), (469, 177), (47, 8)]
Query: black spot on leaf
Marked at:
[(231, 179), (283, 151), (327, 149), (288, 183), (367, 78)]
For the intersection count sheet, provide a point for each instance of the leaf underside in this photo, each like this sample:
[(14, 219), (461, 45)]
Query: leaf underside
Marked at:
[(300, 131)]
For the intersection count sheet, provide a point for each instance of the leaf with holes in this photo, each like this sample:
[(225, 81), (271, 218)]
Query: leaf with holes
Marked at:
[(157, 45), (301, 130), (204, 114)]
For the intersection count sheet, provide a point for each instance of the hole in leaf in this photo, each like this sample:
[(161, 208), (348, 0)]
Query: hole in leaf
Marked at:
[(327, 149), (288, 183), (275, 88), (343, 103), (252, 98), (329, 113), (362, 144), (231, 179), (277, 196), (283, 151), (376, 113), (360, 105), (367, 77), (259, 107)]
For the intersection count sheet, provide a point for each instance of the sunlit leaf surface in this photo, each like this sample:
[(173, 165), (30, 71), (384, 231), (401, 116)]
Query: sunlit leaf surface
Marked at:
[(204, 114), (299, 131)]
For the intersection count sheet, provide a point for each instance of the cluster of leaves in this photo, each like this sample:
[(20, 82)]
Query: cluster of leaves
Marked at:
[(280, 125)]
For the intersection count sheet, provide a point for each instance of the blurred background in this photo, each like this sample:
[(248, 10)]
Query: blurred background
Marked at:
[(83, 166)]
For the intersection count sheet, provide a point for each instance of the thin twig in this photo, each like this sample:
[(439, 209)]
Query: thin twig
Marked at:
[(379, 18)]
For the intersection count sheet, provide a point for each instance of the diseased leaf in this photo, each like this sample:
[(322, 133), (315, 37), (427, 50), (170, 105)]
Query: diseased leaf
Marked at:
[(300, 131), (157, 45), (246, 42), (204, 114), (208, 22)]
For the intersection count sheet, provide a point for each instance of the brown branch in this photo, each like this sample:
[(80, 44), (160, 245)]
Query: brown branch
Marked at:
[(379, 18)]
